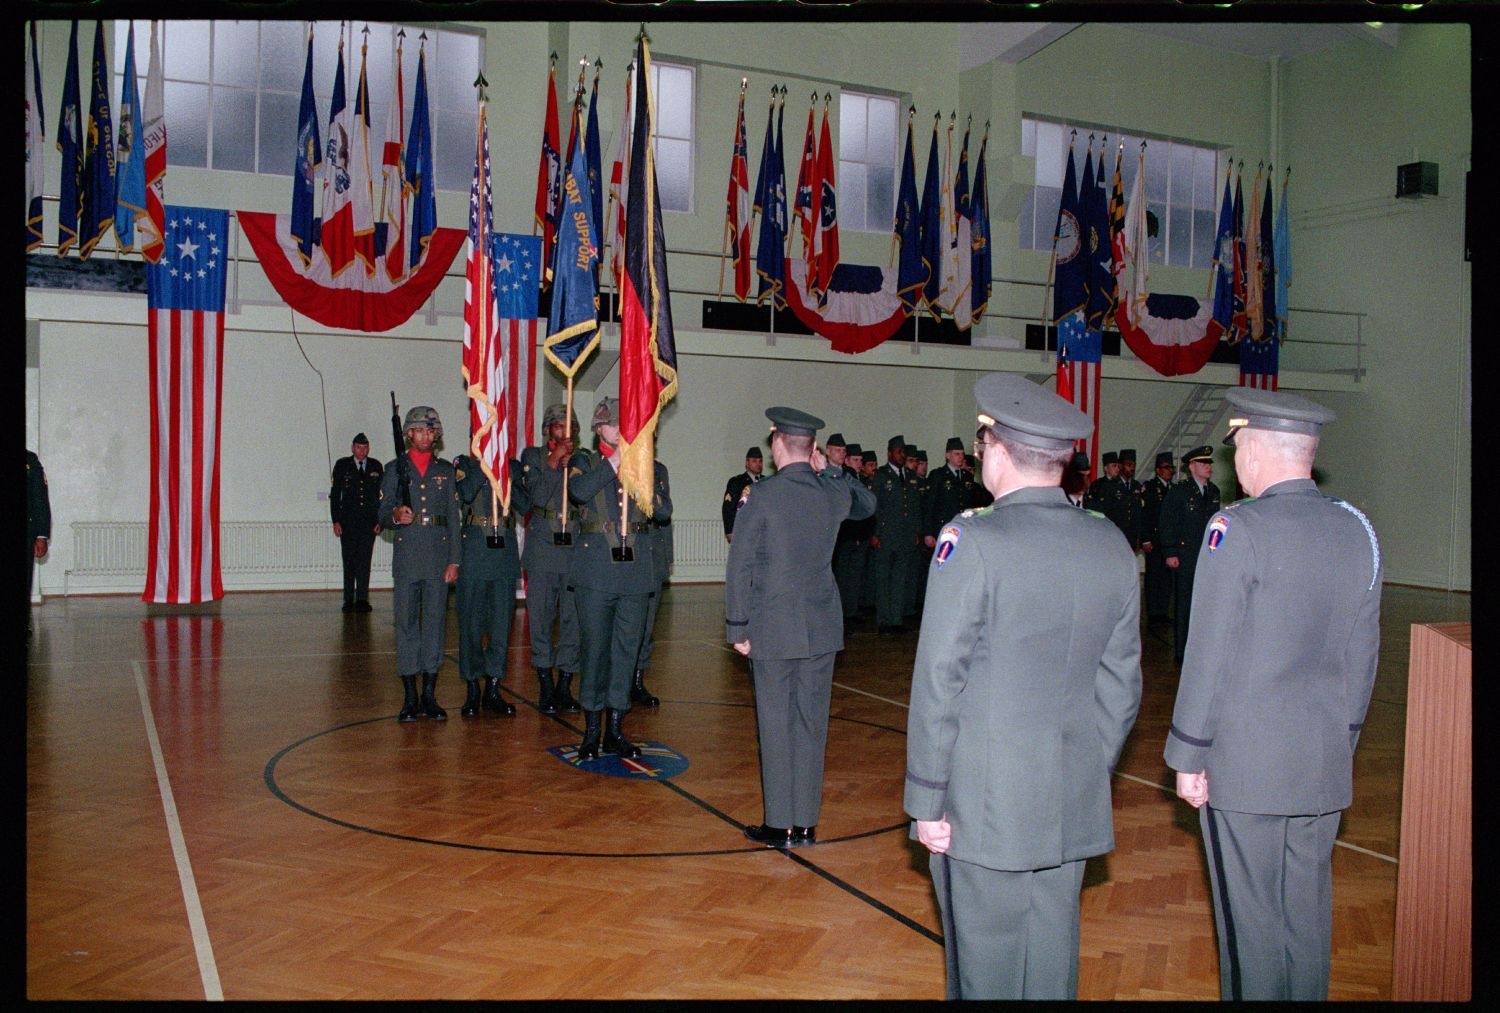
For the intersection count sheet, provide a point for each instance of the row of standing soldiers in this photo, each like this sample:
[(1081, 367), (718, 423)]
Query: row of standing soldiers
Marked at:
[(595, 583)]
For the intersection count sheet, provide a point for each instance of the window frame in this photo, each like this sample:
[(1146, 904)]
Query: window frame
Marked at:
[(691, 68), (870, 225)]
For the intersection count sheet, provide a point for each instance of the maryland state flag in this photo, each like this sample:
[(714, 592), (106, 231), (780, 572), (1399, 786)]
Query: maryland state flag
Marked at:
[(648, 352)]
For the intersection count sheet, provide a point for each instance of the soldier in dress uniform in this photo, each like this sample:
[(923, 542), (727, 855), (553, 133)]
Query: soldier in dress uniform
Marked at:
[(487, 577), (1130, 504), (1184, 516), (658, 534), (1158, 577), (849, 547), (1105, 494), (916, 567), (948, 491), (782, 611), (613, 578), (353, 503), (734, 489), (1280, 665), (867, 468), (38, 523), (425, 559), (1075, 479), (1027, 676), (897, 523), (547, 559)]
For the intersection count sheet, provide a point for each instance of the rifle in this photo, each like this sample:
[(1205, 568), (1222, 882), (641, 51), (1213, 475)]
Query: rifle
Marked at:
[(403, 469)]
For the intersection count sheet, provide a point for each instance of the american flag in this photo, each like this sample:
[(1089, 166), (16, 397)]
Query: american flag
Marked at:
[(483, 365), (185, 327), (517, 270)]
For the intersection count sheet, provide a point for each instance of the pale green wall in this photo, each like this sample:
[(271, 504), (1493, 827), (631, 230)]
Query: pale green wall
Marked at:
[(1346, 118)]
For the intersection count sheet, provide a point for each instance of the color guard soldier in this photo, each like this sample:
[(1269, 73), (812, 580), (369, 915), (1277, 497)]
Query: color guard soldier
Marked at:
[(1184, 517), (613, 579), (353, 504), (487, 576), (547, 559), (734, 489), (658, 536), (781, 611), (1280, 666), (425, 558), (1158, 577), (1027, 676)]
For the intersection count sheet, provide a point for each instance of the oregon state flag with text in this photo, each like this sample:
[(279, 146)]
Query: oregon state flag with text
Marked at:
[(648, 352)]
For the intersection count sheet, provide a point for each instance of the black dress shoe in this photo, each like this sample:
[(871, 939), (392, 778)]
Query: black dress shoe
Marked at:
[(804, 835), (363, 606), (348, 607), (470, 708), (771, 837)]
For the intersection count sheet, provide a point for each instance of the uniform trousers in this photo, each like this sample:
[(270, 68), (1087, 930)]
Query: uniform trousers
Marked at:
[(549, 603), (1158, 585), (849, 574), (1272, 882), (611, 624), (916, 578), (1182, 604), (890, 563), (791, 719), (357, 545), (648, 637), (1009, 935), (484, 604), (421, 608)]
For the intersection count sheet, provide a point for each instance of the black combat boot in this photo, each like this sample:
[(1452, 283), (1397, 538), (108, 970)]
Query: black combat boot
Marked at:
[(615, 740), (588, 749), (409, 707), (429, 701), (493, 701), (564, 698), (471, 700), (639, 693), (546, 700)]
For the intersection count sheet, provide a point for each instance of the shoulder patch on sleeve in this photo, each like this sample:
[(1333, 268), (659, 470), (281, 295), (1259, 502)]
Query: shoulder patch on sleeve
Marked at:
[(947, 544), (1218, 528)]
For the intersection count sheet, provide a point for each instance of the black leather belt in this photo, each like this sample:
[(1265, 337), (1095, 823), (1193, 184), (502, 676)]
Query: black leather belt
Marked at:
[(428, 521), (484, 522)]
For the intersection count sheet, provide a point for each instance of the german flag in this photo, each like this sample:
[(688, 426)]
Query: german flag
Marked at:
[(648, 351)]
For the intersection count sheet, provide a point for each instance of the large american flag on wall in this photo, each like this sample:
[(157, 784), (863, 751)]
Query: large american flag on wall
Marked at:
[(185, 326)]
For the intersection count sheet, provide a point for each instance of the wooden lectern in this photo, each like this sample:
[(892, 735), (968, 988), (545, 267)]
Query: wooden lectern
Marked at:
[(1434, 887)]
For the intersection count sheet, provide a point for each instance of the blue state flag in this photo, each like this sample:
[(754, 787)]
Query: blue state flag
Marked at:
[(1282, 245), (911, 276), (1070, 280), (70, 143), (593, 159), (573, 323), (979, 238), (309, 161), (1224, 262), (421, 179), (130, 158), (930, 218), (1101, 304), (98, 181), (770, 200)]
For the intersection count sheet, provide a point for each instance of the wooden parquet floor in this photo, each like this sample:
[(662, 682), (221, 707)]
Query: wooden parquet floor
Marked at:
[(335, 854)]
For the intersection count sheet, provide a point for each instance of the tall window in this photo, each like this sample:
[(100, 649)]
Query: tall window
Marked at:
[(1179, 187), (672, 90), (232, 88), (868, 161)]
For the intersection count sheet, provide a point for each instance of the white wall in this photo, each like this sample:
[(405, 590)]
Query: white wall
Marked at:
[(1401, 452)]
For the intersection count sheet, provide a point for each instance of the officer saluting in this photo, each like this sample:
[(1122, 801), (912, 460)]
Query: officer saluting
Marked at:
[(425, 558), (1280, 665), (1027, 680), (782, 611)]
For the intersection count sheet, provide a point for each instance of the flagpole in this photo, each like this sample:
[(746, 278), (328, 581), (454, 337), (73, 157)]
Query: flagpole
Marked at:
[(568, 425)]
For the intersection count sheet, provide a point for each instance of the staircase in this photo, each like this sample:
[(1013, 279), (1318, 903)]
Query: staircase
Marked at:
[(1195, 422)]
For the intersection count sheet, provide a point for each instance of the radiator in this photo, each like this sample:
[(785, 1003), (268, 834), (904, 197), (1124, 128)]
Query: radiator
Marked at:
[(110, 556)]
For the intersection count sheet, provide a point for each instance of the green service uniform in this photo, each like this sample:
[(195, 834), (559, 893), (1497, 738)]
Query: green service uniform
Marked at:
[(1027, 681), (734, 489), (916, 567), (658, 534), (1286, 639), (1184, 516), (780, 594), (487, 575), (1158, 598), (549, 603), (612, 596), (354, 505), (851, 556), (423, 550), (897, 522)]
